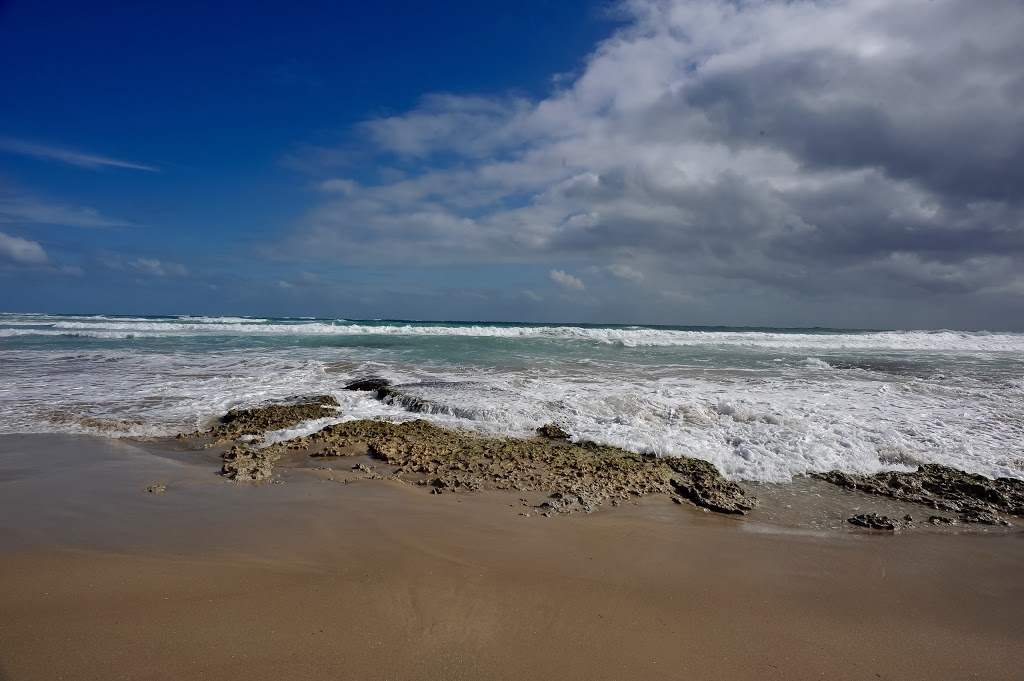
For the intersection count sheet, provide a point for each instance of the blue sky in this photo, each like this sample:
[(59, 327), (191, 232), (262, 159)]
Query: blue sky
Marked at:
[(849, 163)]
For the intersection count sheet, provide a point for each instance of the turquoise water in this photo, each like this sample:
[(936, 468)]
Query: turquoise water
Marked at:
[(761, 403)]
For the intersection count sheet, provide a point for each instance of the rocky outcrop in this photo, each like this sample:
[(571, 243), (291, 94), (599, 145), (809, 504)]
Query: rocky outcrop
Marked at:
[(700, 482), (973, 498), (577, 476)]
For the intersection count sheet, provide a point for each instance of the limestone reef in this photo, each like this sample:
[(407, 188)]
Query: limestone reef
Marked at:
[(576, 476)]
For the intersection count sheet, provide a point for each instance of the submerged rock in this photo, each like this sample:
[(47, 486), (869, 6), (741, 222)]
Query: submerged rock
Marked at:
[(552, 431), (156, 489), (873, 521), (397, 398), (974, 498), (369, 384)]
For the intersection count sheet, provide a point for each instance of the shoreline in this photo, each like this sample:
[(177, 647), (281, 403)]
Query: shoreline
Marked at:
[(323, 579)]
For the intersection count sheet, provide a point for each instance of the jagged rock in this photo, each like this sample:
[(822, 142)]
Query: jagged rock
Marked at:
[(369, 384), (941, 520), (874, 521), (700, 482), (974, 498), (156, 489), (552, 431), (249, 465)]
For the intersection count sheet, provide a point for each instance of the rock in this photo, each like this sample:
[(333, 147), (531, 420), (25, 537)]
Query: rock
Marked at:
[(249, 465), (258, 420), (552, 431), (369, 384), (941, 520), (873, 521), (980, 516), (700, 482), (974, 498), (156, 489)]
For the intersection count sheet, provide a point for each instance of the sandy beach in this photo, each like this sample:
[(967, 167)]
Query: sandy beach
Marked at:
[(368, 579)]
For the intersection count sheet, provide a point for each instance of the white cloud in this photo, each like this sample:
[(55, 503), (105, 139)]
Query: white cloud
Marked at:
[(566, 280), (22, 251), (75, 158), (619, 271)]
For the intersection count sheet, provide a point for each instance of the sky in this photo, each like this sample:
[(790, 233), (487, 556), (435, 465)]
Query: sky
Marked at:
[(840, 163)]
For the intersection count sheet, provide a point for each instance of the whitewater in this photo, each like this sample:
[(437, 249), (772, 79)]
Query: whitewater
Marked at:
[(761, 404)]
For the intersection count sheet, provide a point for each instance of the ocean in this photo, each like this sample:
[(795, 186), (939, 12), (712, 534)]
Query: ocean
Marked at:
[(762, 404)]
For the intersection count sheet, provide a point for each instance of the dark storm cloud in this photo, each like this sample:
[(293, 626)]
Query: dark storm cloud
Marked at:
[(842, 148)]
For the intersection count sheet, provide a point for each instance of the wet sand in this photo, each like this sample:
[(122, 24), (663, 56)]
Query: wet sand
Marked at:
[(321, 579)]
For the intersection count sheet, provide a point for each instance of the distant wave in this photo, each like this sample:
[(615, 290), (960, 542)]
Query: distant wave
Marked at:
[(939, 341)]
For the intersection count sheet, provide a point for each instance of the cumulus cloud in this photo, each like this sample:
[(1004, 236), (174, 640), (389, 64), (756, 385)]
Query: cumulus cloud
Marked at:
[(850, 147), (76, 158), (566, 280), (21, 251)]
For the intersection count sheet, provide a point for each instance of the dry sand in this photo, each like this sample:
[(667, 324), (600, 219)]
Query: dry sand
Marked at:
[(318, 579)]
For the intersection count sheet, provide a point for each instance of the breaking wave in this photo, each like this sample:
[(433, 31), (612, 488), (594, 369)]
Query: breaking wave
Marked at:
[(824, 340)]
